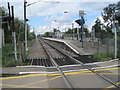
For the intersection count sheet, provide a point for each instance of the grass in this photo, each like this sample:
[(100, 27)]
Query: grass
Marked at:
[(103, 56), (9, 63), (12, 63), (7, 55), (30, 44), (8, 59)]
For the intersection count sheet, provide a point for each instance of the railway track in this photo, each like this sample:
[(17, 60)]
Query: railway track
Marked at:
[(77, 62), (59, 57)]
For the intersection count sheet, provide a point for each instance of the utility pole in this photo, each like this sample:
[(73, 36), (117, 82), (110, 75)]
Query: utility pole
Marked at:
[(72, 31), (25, 28), (115, 36), (14, 34)]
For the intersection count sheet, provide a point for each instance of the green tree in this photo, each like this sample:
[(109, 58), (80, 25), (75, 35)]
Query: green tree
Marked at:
[(107, 14), (47, 34), (19, 28), (8, 33), (70, 31), (86, 31)]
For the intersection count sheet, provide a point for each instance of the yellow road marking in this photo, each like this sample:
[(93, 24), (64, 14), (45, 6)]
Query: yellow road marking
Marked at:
[(26, 85), (83, 73), (54, 78), (17, 86), (32, 75), (39, 81), (112, 86), (23, 76)]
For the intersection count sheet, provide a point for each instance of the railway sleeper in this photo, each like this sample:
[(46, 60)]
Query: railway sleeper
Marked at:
[(39, 62)]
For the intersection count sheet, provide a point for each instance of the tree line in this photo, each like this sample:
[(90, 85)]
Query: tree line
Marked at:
[(19, 28)]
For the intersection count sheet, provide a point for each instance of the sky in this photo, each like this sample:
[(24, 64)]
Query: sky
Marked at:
[(48, 14)]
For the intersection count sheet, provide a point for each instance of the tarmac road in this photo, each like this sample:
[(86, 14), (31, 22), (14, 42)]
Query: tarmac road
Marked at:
[(78, 79)]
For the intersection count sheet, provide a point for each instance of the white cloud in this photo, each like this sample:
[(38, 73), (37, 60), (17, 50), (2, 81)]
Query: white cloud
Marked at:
[(52, 11), (63, 0), (43, 29)]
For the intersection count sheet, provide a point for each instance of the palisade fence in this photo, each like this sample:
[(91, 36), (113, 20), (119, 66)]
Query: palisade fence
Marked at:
[(105, 45)]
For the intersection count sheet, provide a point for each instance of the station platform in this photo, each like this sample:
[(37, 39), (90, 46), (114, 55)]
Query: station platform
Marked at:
[(76, 46)]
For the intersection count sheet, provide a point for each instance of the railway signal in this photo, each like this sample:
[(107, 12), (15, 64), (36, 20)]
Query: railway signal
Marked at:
[(81, 23)]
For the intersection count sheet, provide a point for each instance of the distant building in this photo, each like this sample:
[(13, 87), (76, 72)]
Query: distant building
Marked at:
[(58, 34)]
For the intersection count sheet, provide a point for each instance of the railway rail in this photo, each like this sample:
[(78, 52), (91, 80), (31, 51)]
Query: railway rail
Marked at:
[(65, 58), (79, 62)]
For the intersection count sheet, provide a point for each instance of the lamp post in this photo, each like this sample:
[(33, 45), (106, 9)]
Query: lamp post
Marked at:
[(25, 20)]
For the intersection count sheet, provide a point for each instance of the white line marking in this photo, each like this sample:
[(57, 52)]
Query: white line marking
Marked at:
[(102, 62), (69, 70), (31, 66), (71, 47), (90, 63), (32, 72)]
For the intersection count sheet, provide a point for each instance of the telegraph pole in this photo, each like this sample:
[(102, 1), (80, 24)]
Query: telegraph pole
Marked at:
[(14, 34)]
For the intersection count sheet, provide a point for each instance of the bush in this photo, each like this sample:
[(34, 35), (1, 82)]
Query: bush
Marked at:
[(103, 56), (9, 63)]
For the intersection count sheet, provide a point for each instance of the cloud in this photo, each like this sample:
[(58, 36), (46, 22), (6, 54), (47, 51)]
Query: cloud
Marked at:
[(55, 11), (43, 29), (63, 0), (48, 8)]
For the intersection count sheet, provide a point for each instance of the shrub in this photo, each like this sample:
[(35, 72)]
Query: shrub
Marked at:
[(9, 63), (103, 56)]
